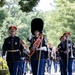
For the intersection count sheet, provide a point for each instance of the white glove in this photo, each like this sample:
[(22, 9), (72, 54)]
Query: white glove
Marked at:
[(3, 57), (22, 58), (43, 48), (30, 36), (28, 51)]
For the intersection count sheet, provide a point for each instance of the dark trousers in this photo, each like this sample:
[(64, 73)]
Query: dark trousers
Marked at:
[(64, 68), (61, 67), (35, 65), (14, 68), (73, 67)]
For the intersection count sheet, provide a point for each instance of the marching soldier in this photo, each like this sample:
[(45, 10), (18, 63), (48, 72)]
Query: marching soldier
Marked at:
[(61, 63), (65, 52), (13, 46), (38, 47)]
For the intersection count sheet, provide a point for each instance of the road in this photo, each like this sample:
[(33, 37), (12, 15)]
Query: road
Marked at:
[(49, 74)]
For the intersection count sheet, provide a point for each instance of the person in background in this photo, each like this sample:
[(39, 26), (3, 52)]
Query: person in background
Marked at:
[(49, 60), (55, 56), (60, 61)]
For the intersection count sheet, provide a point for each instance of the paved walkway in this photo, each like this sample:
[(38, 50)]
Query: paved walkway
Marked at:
[(49, 74)]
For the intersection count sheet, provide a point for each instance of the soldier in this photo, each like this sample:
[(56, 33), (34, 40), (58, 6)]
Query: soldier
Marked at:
[(65, 52), (61, 64), (38, 45), (14, 48)]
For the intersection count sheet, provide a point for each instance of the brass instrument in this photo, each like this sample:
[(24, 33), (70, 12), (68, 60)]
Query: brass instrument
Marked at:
[(67, 54), (71, 49), (69, 39)]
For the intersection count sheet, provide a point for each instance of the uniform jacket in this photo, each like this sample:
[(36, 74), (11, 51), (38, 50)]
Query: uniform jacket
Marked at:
[(12, 43), (44, 54), (63, 46)]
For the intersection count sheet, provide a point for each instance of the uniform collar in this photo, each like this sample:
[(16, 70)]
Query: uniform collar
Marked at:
[(12, 37)]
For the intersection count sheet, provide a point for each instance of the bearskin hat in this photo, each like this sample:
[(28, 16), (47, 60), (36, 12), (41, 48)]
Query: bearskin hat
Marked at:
[(37, 24)]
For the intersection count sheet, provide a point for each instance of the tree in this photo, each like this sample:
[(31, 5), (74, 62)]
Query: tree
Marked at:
[(25, 5), (2, 3), (56, 22), (3, 15), (28, 5), (66, 15)]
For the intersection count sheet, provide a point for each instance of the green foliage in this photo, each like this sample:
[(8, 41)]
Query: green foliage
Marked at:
[(27, 5), (3, 15), (66, 15), (72, 1), (56, 22), (2, 3), (3, 67)]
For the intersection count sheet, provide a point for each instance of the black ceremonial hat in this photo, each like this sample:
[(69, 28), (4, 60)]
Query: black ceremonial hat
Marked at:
[(37, 24)]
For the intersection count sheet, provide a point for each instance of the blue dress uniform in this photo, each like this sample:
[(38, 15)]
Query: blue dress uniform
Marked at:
[(63, 47), (38, 65), (35, 59), (14, 50)]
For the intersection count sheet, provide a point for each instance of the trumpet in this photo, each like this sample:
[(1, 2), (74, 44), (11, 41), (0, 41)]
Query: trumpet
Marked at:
[(71, 49)]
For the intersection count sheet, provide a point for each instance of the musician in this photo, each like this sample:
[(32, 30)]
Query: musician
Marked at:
[(65, 53), (14, 49), (38, 58), (60, 61)]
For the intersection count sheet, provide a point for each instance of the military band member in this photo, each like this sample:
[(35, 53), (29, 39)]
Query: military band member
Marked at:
[(14, 49), (61, 63), (65, 53), (38, 58)]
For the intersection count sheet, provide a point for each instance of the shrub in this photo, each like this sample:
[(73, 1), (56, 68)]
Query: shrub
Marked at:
[(3, 67)]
